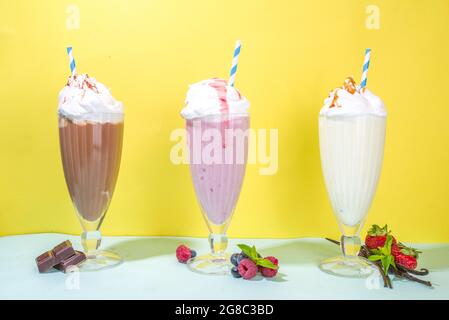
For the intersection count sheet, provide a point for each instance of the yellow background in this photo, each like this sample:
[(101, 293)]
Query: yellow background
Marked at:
[(293, 53)]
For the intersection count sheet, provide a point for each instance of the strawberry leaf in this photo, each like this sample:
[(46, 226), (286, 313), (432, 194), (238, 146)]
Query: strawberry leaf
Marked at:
[(376, 230)]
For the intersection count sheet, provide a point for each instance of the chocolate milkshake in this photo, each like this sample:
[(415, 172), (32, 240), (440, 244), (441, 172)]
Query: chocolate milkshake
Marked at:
[(91, 134), (90, 154)]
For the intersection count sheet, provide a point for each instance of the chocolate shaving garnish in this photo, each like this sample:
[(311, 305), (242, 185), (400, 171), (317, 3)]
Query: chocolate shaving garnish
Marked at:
[(91, 86), (86, 84)]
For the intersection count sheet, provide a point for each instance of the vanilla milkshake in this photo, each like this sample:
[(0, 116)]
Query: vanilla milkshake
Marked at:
[(217, 123), (352, 135), (352, 127), (91, 134)]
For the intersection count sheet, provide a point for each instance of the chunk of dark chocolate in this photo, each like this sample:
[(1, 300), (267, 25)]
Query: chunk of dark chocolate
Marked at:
[(51, 258), (65, 265), (63, 251), (45, 261)]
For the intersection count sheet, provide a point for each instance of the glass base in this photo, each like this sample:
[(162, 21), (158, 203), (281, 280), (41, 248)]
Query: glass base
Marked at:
[(210, 265), (99, 260), (349, 267)]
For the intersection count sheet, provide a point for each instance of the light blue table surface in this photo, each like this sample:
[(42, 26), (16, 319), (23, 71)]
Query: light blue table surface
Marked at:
[(150, 271)]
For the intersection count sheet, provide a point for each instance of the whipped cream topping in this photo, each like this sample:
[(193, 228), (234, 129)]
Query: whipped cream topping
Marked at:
[(84, 98), (213, 97), (350, 100)]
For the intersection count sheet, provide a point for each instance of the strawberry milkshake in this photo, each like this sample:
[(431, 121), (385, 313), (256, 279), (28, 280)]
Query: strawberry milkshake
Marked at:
[(217, 123)]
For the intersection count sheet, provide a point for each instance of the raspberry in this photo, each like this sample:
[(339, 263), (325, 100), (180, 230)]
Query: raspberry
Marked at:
[(183, 253), (267, 272), (247, 269)]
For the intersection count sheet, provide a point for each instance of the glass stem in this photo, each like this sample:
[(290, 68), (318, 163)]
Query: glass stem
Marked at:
[(350, 245), (218, 244), (91, 240)]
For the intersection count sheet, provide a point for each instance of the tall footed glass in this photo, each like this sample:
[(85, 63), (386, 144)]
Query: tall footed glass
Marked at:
[(91, 150), (351, 156), (218, 154)]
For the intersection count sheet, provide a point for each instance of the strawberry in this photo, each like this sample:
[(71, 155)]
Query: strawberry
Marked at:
[(377, 236), (405, 256), (395, 249)]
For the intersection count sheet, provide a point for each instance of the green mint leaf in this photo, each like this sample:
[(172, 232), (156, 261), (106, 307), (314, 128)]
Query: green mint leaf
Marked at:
[(251, 252), (246, 250), (254, 252), (393, 263), (374, 257), (266, 263), (384, 264), (376, 251)]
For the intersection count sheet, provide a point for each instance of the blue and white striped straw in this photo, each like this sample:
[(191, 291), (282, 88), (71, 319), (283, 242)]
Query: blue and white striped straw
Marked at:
[(72, 60), (365, 68), (235, 61)]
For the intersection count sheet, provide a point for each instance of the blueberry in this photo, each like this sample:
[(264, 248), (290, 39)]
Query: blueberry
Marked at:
[(235, 272), (240, 257), (234, 259), (192, 253)]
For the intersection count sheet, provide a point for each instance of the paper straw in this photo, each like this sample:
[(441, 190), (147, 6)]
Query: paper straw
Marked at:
[(71, 60), (365, 68), (235, 61)]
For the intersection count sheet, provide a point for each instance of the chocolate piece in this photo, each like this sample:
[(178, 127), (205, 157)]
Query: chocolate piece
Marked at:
[(45, 261), (63, 251), (70, 262), (51, 258)]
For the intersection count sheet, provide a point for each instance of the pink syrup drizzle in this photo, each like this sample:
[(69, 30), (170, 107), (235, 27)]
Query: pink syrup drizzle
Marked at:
[(220, 86)]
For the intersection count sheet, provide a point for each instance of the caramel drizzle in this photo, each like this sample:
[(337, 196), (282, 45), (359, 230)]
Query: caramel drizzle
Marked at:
[(349, 85)]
